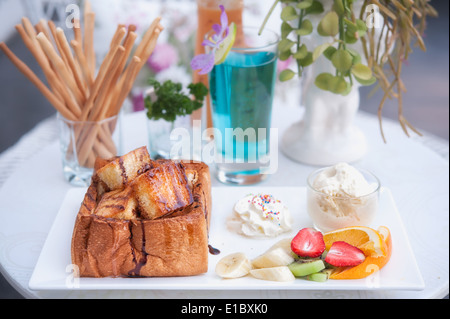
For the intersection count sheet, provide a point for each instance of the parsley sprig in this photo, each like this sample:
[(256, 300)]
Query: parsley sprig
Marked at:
[(171, 102)]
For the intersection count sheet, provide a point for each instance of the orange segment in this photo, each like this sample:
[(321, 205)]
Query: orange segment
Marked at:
[(367, 239), (370, 265)]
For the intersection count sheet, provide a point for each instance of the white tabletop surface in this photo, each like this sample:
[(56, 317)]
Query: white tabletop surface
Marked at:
[(416, 170)]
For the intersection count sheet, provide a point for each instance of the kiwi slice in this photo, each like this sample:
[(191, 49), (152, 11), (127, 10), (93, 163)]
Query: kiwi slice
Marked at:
[(303, 268), (321, 276)]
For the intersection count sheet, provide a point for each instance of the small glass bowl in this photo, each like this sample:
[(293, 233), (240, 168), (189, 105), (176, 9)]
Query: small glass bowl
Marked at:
[(330, 212)]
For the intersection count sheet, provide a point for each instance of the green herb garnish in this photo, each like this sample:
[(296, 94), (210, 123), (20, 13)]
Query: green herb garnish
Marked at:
[(171, 102)]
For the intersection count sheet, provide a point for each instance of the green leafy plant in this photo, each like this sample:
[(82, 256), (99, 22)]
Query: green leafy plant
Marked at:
[(402, 23), (169, 100)]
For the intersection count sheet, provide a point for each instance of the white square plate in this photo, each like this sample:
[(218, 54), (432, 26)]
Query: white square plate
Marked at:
[(53, 270)]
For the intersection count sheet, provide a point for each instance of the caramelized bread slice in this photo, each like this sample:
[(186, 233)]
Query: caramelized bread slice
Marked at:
[(162, 190), (199, 180), (119, 204), (122, 170)]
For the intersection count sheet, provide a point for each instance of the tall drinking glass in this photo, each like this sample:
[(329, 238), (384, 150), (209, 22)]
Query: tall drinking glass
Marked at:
[(242, 90)]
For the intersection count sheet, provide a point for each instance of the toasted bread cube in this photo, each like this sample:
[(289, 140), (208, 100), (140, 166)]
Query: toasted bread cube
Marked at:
[(162, 190), (122, 170), (119, 204)]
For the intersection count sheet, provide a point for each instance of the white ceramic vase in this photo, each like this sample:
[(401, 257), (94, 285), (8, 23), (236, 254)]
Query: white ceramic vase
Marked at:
[(326, 134)]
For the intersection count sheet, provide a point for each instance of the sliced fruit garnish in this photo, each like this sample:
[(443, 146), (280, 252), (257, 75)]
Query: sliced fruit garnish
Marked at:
[(233, 266), (225, 47), (367, 239), (284, 243), (308, 243), (370, 265), (281, 273), (342, 254), (303, 268), (321, 276), (273, 258)]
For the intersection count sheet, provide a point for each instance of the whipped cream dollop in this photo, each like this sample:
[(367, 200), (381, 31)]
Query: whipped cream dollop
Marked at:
[(260, 215)]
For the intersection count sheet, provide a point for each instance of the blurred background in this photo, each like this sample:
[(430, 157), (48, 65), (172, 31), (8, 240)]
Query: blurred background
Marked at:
[(22, 107)]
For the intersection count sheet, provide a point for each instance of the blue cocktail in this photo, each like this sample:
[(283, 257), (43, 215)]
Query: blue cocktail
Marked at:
[(242, 90)]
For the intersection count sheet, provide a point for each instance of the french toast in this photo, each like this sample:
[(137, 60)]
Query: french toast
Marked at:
[(118, 172), (120, 204), (115, 236), (162, 190)]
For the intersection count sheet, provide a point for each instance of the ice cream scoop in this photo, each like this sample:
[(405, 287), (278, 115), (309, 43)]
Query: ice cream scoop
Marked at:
[(342, 196)]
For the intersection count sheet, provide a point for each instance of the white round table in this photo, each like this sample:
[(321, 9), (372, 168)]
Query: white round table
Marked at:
[(416, 170)]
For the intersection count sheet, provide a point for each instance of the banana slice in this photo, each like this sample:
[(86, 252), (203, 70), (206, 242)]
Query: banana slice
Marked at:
[(283, 243), (233, 266), (273, 258), (273, 274)]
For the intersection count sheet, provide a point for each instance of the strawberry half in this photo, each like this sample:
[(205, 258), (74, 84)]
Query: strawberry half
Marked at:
[(308, 243), (342, 254)]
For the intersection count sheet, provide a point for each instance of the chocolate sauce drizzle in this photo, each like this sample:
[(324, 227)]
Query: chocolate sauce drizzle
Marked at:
[(213, 251), (136, 272)]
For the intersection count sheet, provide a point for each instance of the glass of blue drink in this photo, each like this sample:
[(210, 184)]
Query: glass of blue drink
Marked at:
[(242, 90)]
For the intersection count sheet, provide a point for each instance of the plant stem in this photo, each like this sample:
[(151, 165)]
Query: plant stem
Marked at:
[(300, 22), (268, 16), (342, 44)]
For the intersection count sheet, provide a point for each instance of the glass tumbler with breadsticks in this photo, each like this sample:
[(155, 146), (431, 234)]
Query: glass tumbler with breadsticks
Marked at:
[(88, 99)]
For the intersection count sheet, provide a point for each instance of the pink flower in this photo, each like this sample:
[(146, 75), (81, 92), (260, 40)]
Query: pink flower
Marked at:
[(205, 62), (163, 57), (283, 65), (138, 102)]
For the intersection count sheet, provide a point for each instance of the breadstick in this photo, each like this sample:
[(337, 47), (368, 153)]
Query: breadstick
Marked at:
[(87, 6), (89, 52), (59, 106), (100, 110), (77, 32), (41, 59), (102, 151), (58, 64), (61, 68), (42, 27), (87, 144), (52, 27), (132, 28), (145, 54), (88, 76), (125, 88), (114, 88), (97, 104), (59, 89), (67, 53), (143, 49), (91, 161), (89, 26), (102, 73), (32, 33), (118, 37), (29, 27), (147, 36), (150, 46), (126, 83)]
